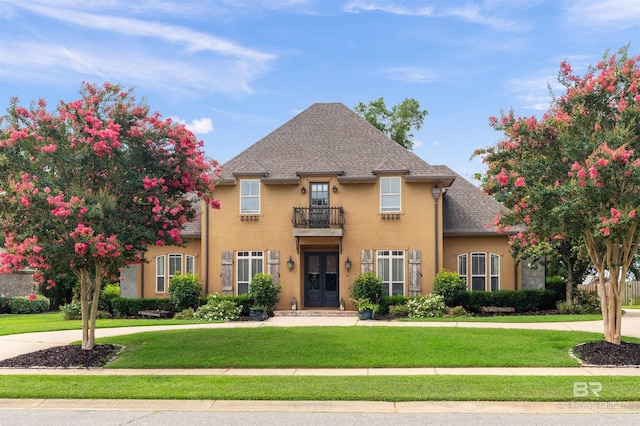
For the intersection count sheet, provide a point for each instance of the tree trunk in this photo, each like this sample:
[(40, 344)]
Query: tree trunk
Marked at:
[(90, 305), (570, 281), (83, 275)]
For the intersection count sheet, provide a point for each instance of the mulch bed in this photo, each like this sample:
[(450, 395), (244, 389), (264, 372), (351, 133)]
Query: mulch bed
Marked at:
[(72, 356), (605, 353), (596, 353)]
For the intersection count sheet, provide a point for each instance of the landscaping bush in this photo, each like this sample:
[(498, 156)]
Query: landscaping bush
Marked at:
[(30, 304), (558, 286), (458, 312), (4, 305), (218, 309), (367, 286), (399, 311), (186, 314), (263, 293), (71, 311), (451, 287), (387, 301), (185, 291), (125, 307), (521, 300), (584, 302), (109, 292), (427, 306)]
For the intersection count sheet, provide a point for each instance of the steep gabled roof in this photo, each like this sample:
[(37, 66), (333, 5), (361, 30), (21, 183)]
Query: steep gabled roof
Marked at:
[(468, 211), (330, 138)]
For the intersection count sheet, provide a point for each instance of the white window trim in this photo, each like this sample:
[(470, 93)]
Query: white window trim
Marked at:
[(389, 256), (483, 275), (164, 273), (389, 194), (493, 256), (250, 196), (250, 256), (464, 276)]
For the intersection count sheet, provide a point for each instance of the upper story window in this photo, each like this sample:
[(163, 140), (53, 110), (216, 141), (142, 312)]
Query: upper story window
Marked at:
[(250, 196), (390, 194)]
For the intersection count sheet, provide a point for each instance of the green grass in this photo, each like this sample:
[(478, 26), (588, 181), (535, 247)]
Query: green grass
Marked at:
[(348, 347), (52, 321), (515, 318), (343, 388)]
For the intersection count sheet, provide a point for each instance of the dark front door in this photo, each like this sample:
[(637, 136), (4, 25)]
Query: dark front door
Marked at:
[(321, 280)]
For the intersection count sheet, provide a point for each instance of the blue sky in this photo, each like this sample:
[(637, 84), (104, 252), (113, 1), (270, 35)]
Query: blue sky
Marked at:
[(235, 70)]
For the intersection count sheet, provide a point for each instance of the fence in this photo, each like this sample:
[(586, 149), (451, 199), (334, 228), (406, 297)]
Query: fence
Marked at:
[(630, 292)]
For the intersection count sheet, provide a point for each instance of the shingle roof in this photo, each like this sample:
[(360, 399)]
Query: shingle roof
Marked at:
[(332, 139), (468, 211), (327, 137), (193, 229)]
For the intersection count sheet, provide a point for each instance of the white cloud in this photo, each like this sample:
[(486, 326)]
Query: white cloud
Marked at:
[(387, 7), (478, 15), (199, 126), (604, 13), (533, 93), (410, 74)]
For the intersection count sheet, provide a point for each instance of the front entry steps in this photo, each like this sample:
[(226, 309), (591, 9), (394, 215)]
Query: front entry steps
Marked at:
[(316, 313)]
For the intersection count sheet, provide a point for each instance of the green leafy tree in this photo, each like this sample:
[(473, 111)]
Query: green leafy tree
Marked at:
[(88, 186), (574, 174), (396, 123)]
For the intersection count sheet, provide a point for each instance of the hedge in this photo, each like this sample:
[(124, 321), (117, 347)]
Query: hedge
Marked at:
[(386, 301), (122, 307), (521, 300)]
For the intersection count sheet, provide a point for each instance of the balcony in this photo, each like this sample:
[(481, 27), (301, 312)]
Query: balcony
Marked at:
[(318, 218), (317, 222)]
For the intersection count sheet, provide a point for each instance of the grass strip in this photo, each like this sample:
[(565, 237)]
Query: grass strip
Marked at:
[(344, 388), (348, 347)]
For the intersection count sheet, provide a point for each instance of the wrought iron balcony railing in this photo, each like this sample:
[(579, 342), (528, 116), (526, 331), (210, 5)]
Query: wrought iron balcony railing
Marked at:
[(318, 217)]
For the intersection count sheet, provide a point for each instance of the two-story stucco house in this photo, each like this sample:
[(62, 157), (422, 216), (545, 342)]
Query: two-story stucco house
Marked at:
[(325, 197)]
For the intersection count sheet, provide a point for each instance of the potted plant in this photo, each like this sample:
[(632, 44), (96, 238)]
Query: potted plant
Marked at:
[(264, 294), (366, 309)]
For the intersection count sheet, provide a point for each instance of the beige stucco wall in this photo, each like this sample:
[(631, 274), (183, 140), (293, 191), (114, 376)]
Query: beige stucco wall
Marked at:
[(147, 271), (364, 229), (453, 246)]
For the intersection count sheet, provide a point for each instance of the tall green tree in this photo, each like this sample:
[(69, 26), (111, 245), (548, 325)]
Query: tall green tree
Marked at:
[(88, 186), (396, 123), (575, 174)]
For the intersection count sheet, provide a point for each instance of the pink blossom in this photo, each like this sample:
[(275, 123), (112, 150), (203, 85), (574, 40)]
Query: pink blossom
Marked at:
[(502, 177), (519, 182), (80, 248), (49, 148), (605, 231), (632, 214), (593, 173)]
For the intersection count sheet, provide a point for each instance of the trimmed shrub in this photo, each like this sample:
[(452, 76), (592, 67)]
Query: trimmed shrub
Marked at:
[(387, 301), (218, 309), (399, 311), (186, 314), (521, 300), (427, 306), (125, 307), (109, 292), (263, 293), (185, 291), (71, 311), (367, 286), (30, 304), (584, 302), (458, 312), (451, 287), (558, 286), (5, 305)]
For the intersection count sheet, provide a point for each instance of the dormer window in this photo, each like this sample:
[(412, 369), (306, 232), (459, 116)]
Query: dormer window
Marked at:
[(390, 194), (250, 196)]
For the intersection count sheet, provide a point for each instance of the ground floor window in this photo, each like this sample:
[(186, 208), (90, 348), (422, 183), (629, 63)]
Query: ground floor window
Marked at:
[(249, 263), (484, 275), (390, 269), (168, 266)]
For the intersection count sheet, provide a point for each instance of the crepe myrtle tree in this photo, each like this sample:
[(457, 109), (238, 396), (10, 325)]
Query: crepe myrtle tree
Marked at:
[(91, 184), (574, 174)]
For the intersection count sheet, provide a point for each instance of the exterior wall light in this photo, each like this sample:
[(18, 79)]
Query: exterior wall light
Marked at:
[(303, 190), (290, 264), (335, 189), (347, 264)]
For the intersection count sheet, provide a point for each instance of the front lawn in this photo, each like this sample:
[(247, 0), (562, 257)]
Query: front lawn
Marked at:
[(348, 347), (52, 321), (313, 388)]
